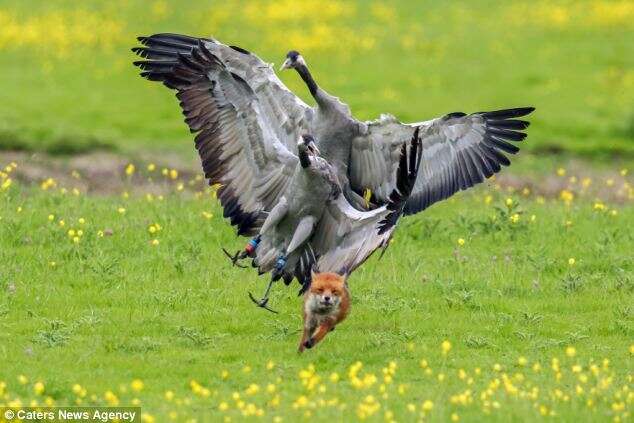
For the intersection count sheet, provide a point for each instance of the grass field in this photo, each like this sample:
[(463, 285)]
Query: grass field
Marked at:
[(512, 302), (511, 281)]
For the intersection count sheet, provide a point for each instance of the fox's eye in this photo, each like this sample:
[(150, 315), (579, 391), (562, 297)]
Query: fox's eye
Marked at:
[(320, 291), (337, 293)]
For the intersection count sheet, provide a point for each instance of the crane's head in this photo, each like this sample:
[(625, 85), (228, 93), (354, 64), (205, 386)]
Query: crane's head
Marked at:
[(307, 143), (293, 60)]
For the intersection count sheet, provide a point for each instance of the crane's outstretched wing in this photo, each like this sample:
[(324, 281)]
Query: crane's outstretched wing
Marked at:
[(459, 151), (346, 237), (247, 121)]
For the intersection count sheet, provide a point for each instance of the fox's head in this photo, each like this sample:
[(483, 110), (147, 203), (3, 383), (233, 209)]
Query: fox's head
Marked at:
[(326, 290)]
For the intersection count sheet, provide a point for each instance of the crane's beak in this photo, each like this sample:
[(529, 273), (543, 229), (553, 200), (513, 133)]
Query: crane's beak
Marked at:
[(312, 148), (286, 64)]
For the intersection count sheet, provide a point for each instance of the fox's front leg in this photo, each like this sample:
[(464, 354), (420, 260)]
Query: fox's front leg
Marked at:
[(305, 336), (318, 335)]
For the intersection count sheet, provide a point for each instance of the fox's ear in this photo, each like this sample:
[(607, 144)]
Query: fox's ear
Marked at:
[(344, 273), (314, 270)]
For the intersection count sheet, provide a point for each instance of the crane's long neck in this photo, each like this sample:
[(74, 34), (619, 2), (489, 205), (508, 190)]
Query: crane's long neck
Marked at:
[(303, 71), (304, 160)]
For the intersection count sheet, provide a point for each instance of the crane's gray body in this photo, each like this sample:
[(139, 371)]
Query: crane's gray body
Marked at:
[(292, 220)]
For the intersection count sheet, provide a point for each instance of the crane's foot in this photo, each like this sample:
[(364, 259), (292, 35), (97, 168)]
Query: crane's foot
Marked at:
[(235, 259), (249, 251), (262, 303)]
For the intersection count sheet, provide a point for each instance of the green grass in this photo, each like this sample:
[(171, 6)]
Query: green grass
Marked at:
[(68, 80), (116, 308)]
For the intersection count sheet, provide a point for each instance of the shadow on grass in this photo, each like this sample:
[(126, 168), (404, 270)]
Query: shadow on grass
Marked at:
[(57, 145)]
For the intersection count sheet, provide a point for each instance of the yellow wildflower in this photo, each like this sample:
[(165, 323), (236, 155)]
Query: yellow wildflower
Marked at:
[(566, 196), (137, 385), (446, 347), (6, 184), (252, 389), (111, 398), (77, 389), (38, 388)]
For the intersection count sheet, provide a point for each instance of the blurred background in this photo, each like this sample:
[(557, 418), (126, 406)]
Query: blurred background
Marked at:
[(68, 84)]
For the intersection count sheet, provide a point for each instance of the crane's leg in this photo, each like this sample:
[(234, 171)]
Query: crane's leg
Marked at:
[(302, 232), (276, 274), (249, 251), (276, 214)]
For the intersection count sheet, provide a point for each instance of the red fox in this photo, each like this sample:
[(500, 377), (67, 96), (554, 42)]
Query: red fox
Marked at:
[(326, 303)]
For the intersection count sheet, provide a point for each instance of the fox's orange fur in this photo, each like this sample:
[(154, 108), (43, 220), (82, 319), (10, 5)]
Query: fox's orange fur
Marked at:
[(326, 303)]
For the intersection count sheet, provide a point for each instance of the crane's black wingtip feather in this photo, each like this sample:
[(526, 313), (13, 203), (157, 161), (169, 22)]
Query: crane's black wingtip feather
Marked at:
[(508, 113), (407, 172)]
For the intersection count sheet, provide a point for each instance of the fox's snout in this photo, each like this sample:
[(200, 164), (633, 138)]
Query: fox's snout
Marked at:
[(327, 300)]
